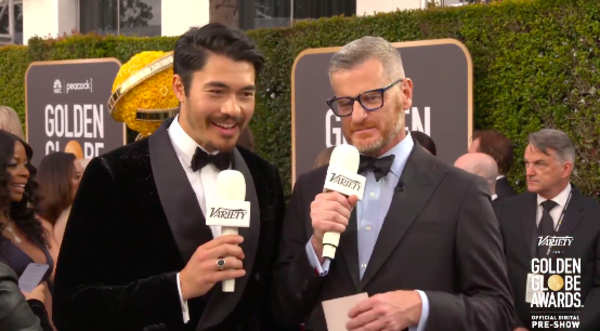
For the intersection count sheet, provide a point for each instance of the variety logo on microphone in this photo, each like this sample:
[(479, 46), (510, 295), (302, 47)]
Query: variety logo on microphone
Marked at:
[(345, 182), (340, 179), (225, 213), (228, 213)]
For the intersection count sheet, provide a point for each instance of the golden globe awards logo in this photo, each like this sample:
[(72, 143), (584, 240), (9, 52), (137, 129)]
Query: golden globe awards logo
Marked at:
[(83, 122), (66, 108), (555, 284)]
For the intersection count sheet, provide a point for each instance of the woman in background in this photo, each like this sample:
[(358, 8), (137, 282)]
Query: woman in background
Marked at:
[(9, 122), (22, 237), (61, 222), (58, 176)]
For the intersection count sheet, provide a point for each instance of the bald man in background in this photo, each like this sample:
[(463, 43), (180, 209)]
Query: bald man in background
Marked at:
[(484, 166)]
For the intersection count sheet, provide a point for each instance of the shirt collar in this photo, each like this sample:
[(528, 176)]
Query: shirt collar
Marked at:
[(560, 199), (494, 197), (184, 145), (401, 153), (500, 177)]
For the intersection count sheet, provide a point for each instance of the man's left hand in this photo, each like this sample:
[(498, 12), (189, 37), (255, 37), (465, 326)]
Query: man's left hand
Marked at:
[(391, 311)]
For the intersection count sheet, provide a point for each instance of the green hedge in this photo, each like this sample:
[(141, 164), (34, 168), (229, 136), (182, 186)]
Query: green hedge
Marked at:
[(14, 61), (536, 65)]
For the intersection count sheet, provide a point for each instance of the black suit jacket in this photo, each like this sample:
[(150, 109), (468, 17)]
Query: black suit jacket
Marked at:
[(517, 217), (504, 189), (496, 205), (439, 236), (136, 222)]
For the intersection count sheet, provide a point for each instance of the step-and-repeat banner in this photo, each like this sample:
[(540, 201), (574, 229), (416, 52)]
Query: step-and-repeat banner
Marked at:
[(66, 108), (442, 73)]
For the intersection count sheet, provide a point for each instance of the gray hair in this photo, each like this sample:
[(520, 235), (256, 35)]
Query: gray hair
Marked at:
[(556, 140), (10, 122), (366, 48)]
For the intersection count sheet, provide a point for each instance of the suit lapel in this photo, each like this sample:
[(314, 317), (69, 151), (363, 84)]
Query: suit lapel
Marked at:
[(420, 178), (573, 214), (527, 218), (176, 195), (220, 305), (349, 248)]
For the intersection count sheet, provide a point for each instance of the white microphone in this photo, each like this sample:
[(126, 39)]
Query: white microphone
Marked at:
[(342, 177), (229, 210)]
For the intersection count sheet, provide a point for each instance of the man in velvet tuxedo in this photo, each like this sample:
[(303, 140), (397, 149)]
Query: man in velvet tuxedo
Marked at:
[(552, 208), (423, 243), (500, 148), (137, 253)]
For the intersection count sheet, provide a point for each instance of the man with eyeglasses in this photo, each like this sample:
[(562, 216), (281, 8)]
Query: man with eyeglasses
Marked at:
[(423, 243)]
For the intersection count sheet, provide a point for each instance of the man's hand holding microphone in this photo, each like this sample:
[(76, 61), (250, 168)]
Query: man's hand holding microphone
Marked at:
[(202, 273), (220, 260), (331, 210)]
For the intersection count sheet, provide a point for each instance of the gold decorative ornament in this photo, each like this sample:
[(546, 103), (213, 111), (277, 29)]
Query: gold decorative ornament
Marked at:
[(555, 283), (142, 94)]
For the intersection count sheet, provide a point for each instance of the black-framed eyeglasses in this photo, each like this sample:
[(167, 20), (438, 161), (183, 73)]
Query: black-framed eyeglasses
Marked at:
[(369, 100)]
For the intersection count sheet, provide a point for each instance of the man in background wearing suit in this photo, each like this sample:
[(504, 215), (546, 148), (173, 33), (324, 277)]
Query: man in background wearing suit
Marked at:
[(424, 242), (500, 148), (484, 166), (552, 209)]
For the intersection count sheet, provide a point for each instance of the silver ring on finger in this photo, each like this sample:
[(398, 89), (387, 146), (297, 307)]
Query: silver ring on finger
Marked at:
[(221, 264)]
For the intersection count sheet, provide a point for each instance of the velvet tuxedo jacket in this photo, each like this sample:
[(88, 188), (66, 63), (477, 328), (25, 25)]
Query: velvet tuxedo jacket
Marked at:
[(136, 222), (439, 236), (517, 216)]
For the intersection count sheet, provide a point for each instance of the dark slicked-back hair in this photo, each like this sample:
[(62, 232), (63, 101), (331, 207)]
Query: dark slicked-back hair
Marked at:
[(195, 46)]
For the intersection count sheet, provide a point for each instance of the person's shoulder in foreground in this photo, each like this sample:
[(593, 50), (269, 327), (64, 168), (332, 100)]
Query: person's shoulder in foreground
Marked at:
[(15, 313)]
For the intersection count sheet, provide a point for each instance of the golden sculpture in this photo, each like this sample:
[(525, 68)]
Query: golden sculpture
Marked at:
[(142, 96)]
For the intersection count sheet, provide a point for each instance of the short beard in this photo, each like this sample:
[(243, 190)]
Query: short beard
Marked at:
[(372, 149)]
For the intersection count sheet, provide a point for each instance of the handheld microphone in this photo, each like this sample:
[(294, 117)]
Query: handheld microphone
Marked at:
[(229, 210), (342, 178)]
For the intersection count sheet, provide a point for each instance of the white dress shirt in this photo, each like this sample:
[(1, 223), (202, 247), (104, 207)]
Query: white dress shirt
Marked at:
[(560, 199), (203, 181)]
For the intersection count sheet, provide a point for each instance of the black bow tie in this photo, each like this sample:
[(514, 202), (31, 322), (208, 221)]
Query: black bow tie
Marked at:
[(380, 167), (201, 159)]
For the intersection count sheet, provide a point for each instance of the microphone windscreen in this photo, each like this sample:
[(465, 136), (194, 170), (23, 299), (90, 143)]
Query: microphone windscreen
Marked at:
[(345, 157), (231, 185)]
